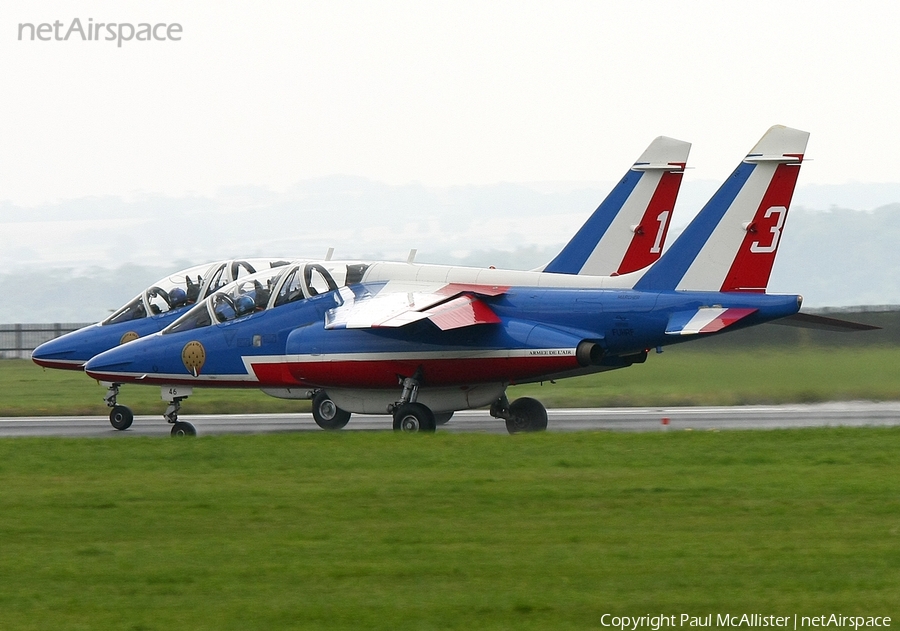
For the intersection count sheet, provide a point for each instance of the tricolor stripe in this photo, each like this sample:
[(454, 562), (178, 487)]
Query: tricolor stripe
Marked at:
[(705, 320), (627, 231)]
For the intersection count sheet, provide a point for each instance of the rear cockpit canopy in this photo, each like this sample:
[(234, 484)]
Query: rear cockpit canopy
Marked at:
[(188, 286), (270, 289)]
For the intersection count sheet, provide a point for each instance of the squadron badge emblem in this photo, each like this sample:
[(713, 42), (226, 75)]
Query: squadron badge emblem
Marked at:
[(194, 356)]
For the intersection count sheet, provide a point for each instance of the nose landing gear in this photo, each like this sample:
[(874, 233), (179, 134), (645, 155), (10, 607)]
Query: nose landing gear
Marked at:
[(120, 417), (175, 395)]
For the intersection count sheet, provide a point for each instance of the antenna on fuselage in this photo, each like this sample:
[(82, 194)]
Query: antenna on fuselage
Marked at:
[(329, 254), (412, 256)]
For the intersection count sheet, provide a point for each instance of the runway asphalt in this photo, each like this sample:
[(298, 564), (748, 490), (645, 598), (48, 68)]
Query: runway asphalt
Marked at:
[(847, 414)]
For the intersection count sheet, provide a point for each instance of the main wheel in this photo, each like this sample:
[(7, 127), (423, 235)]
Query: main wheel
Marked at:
[(120, 417), (527, 415), (183, 428), (413, 417), (326, 414), (442, 418)]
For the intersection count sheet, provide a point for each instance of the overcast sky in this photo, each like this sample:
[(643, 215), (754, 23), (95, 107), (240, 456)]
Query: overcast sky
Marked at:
[(273, 93)]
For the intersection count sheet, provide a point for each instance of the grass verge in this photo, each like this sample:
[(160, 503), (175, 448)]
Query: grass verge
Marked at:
[(379, 531)]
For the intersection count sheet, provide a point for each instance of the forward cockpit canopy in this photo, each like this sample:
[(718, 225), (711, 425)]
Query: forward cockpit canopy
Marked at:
[(188, 287), (269, 289)]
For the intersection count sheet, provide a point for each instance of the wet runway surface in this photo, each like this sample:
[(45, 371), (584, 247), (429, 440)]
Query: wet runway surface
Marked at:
[(848, 414)]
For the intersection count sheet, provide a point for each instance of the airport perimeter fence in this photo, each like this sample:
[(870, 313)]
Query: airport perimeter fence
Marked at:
[(18, 340)]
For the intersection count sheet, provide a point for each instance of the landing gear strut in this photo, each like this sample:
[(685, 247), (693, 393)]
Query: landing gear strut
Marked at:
[(175, 396), (522, 415), (326, 414), (120, 417), (410, 416)]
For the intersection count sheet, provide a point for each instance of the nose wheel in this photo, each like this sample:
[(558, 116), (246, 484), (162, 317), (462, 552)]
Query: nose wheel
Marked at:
[(175, 395), (120, 417)]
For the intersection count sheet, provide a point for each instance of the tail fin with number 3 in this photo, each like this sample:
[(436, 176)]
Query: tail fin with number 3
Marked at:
[(731, 244)]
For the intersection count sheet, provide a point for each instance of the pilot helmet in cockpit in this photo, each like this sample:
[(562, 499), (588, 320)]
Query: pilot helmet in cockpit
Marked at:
[(177, 298)]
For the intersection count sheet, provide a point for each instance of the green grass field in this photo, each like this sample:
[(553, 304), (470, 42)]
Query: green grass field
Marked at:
[(679, 376), (380, 531)]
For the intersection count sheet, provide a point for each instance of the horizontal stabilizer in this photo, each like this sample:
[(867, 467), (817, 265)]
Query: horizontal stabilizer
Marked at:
[(704, 320), (809, 321)]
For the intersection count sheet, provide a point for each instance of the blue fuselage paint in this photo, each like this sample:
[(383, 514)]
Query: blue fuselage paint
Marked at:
[(622, 322), (77, 347)]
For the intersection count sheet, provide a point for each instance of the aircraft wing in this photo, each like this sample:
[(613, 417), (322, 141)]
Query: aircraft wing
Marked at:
[(398, 303), (704, 320)]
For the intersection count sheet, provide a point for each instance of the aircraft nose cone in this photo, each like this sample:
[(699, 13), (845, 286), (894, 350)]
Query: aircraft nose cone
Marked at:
[(107, 363), (57, 353)]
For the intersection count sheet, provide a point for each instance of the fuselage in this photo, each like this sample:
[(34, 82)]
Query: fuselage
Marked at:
[(543, 332)]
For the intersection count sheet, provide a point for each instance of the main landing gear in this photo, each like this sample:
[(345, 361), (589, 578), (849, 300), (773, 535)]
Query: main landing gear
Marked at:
[(327, 415), (413, 417), (410, 416), (120, 417), (522, 415)]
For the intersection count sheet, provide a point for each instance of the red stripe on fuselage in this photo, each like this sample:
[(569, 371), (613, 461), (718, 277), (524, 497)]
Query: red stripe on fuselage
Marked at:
[(383, 373), (371, 373)]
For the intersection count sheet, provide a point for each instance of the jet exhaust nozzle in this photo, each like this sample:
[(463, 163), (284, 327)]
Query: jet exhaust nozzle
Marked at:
[(589, 353)]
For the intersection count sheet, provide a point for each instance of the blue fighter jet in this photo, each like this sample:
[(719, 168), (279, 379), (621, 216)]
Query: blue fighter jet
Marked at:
[(625, 233), (421, 341)]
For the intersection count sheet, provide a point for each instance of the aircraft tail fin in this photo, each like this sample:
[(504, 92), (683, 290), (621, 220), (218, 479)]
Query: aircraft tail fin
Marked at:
[(628, 230), (731, 244)]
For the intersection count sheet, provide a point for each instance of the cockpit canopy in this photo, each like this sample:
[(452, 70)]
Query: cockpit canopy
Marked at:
[(269, 289), (187, 287)]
